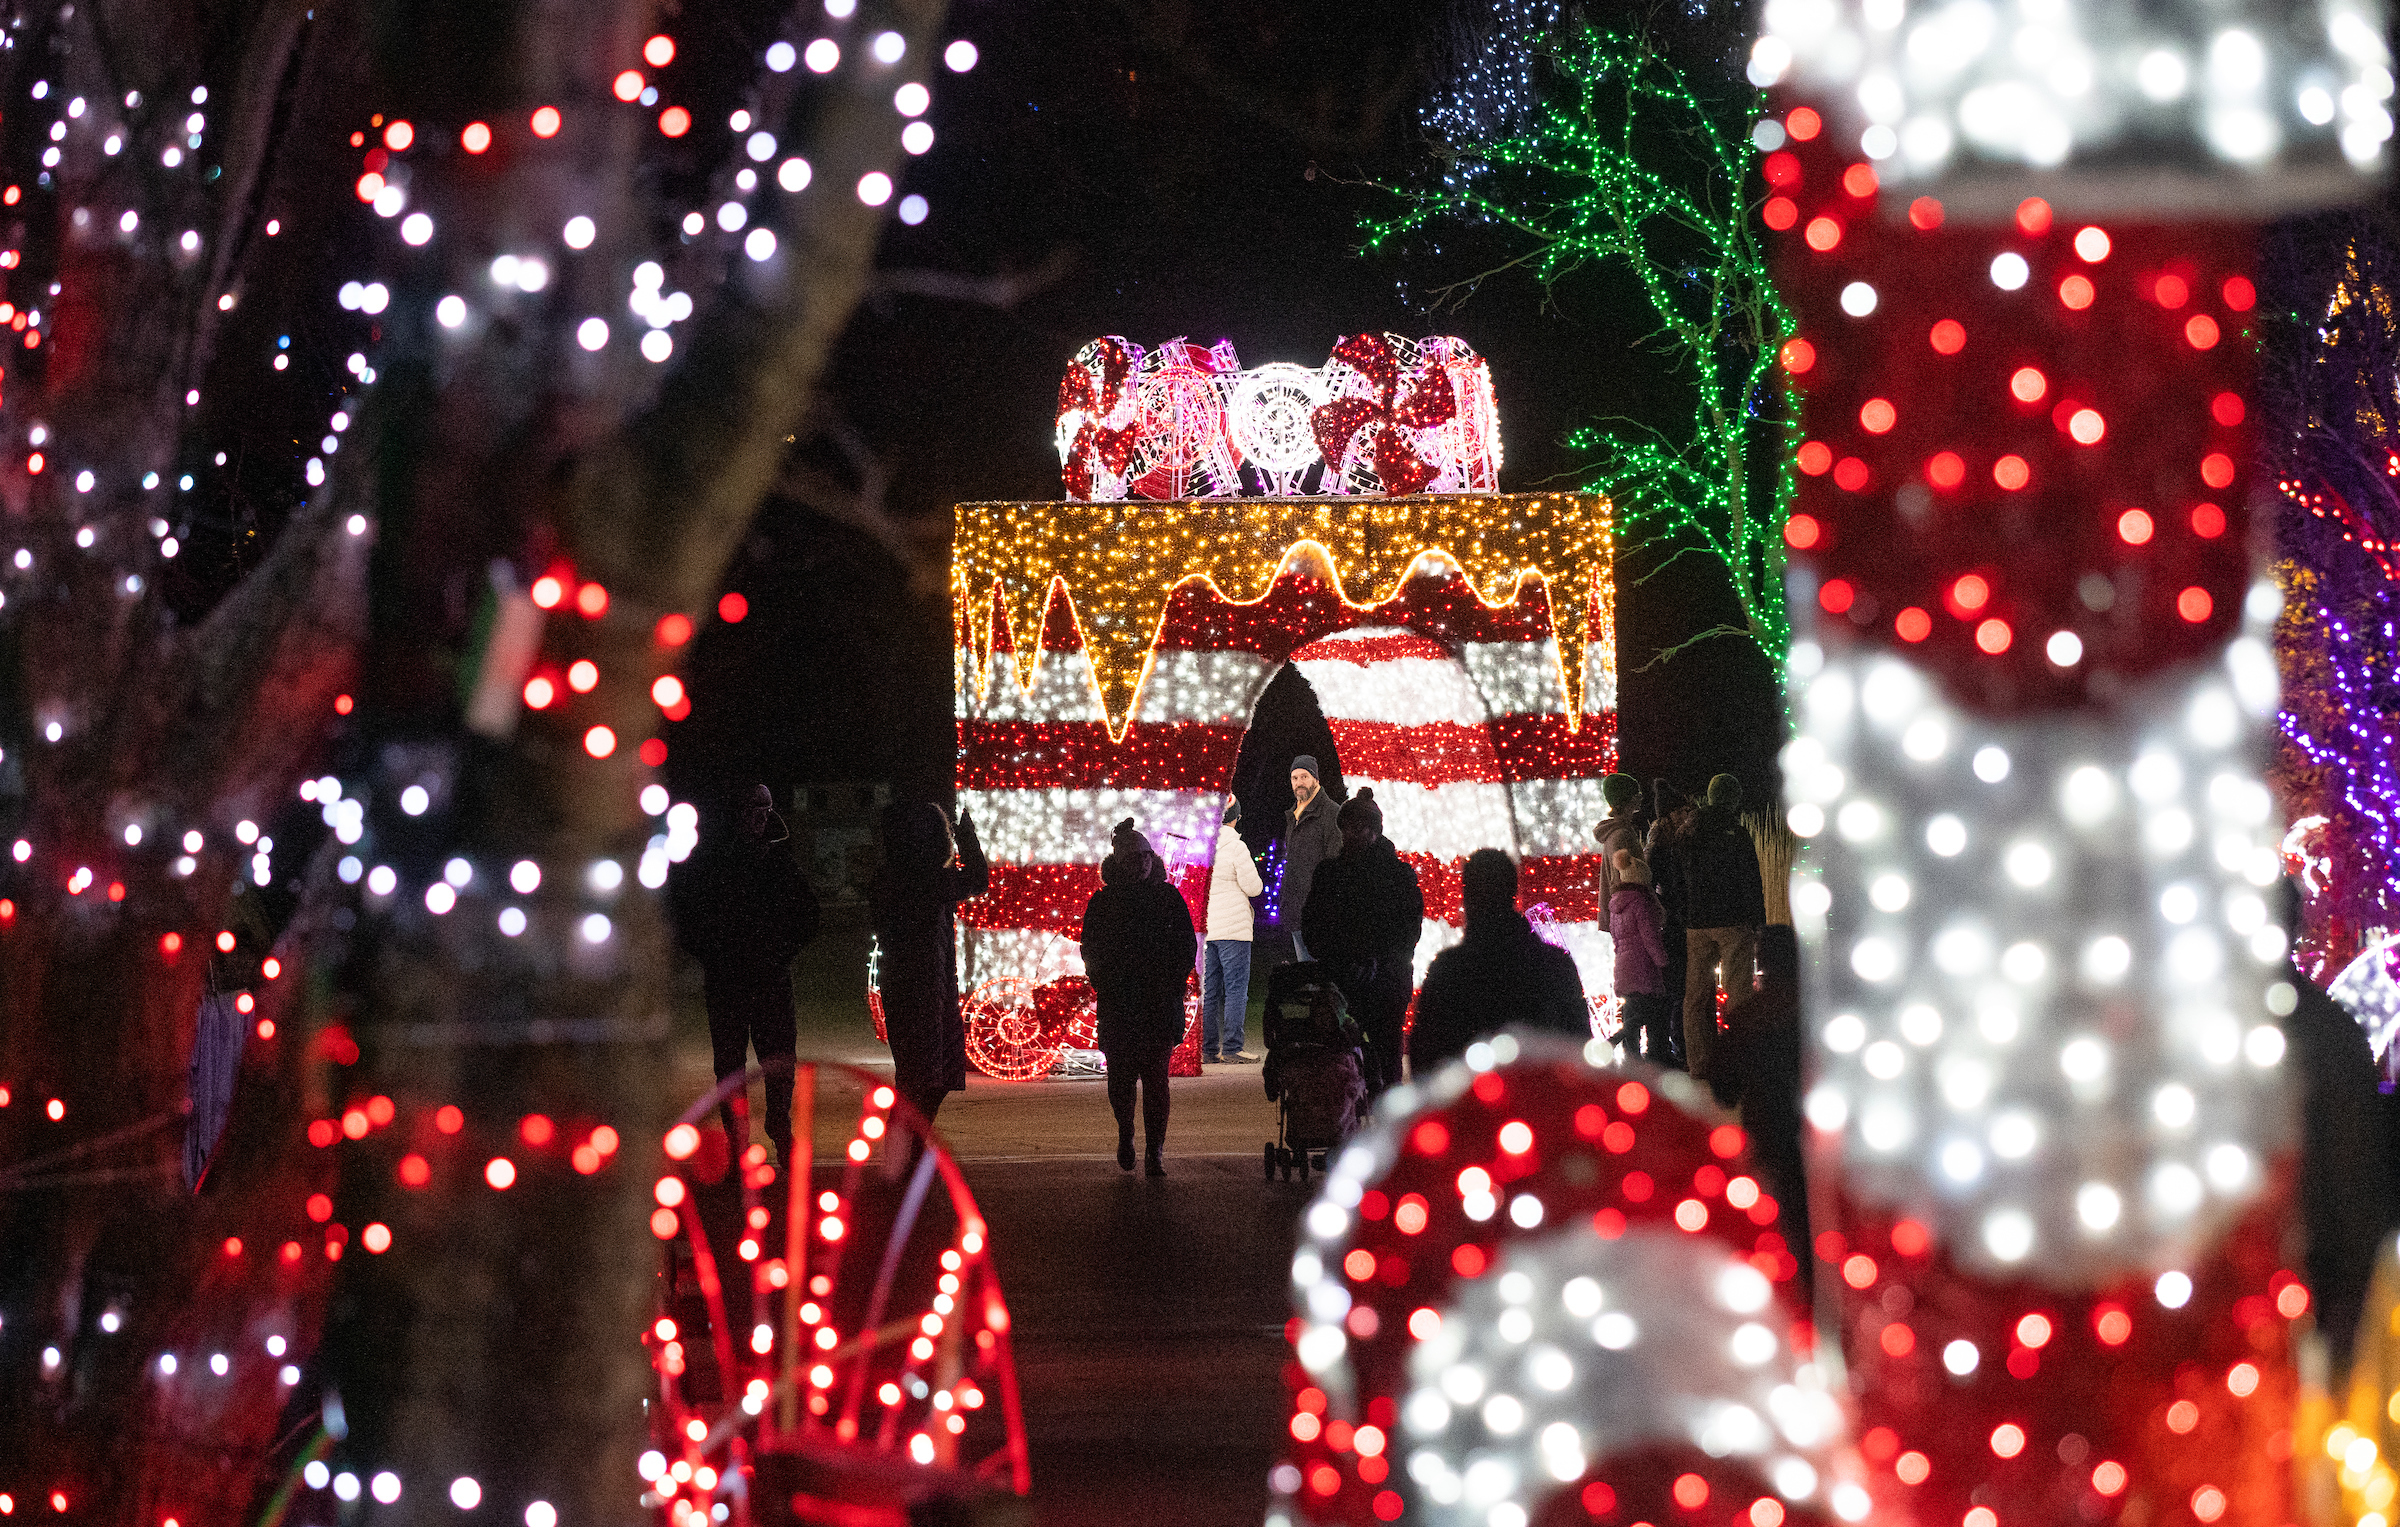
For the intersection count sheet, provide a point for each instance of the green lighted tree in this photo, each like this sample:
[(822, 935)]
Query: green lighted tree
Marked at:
[(1591, 149)]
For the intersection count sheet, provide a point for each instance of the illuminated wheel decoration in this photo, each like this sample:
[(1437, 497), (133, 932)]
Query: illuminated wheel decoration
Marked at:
[(863, 1371), (1537, 1291), (1269, 418), (1006, 1035), (1408, 416), (1180, 445)]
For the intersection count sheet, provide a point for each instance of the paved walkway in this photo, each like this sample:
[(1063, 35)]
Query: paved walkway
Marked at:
[(1148, 1313)]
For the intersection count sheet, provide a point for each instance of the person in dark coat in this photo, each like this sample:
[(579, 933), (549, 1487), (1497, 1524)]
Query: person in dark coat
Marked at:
[(1138, 950), (1311, 837), (743, 909), (1364, 915), (1500, 975), (928, 869), (1638, 927), (1725, 904), (1621, 828)]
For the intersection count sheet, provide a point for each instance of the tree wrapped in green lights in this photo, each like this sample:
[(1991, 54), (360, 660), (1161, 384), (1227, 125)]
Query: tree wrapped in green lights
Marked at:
[(1590, 148)]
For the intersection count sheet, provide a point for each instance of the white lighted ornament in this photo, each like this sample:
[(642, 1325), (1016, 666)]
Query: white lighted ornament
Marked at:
[(2103, 1086), (2367, 991), (1572, 1348), (2128, 108)]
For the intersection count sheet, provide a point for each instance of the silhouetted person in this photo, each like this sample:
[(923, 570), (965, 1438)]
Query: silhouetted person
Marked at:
[(1637, 925), (1670, 823), (1310, 838), (928, 869), (743, 909), (1225, 964), (1138, 947), (1725, 905), (1364, 915), (1499, 975)]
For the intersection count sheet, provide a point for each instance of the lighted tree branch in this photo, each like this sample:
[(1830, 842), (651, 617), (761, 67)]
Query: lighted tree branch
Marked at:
[(1599, 154)]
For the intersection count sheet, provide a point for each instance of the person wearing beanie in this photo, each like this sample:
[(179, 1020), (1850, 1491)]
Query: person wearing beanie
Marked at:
[(1310, 838), (1364, 914), (1641, 963), (1499, 975), (1725, 904), (1138, 950), (1622, 794), (1225, 961)]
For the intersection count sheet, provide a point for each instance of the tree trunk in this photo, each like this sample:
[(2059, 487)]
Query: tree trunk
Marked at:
[(498, 1337)]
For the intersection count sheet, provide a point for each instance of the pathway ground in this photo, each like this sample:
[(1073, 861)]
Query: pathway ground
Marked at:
[(1148, 1313)]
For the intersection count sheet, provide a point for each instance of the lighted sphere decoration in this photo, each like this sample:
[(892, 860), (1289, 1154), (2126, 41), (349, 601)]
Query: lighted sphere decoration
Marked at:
[(2048, 1111), (1110, 657), (1383, 416), (1535, 1291), (2160, 111)]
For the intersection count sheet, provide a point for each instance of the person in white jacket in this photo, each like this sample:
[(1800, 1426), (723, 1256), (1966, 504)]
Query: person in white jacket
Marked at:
[(1225, 960)]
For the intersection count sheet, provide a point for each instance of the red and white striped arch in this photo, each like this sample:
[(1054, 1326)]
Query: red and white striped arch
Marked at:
[(1453, 711)]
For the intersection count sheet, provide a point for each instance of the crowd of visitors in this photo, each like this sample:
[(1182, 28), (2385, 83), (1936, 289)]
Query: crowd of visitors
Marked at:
[(1678, 890)]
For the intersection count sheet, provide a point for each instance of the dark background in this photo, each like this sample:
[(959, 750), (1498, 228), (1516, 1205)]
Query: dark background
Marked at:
[(1153, 169)]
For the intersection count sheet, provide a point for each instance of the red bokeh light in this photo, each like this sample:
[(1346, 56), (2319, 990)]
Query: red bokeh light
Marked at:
[(734, 608), (659, 51), (1946, 469), (475, 137), (674, 630), (415, 1171), (2194, 604), (627, 86), (1877, 416), (1823, 234), (653, 751), (674, 122), (1779, 213), (449, 1119), (1912, 624), (536, 1130), (1815, 458), (2200, 332), (1803, 124), (1948, 337), (2011, 473), (591, 601), (1798, 355), (2134, 527), (1859, 180), (2076, 292), (546, 121), (399, 136), (1925, 214), (1801, 531)]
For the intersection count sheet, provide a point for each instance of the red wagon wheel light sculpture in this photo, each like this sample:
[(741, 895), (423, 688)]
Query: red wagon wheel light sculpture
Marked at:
[(864, 1369)]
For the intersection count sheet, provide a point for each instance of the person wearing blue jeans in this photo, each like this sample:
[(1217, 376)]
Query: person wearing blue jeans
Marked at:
[(1225, 959)]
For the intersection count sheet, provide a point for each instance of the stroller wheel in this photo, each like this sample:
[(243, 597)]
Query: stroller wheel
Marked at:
[(1270, 1161), (1303, 1160)]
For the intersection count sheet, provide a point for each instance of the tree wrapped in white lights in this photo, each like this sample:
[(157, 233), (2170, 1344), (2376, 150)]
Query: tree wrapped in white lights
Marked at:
[(369, 369)]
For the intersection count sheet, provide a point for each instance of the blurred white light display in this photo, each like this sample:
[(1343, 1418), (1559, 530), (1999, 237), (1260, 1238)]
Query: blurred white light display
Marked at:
[(2132, 107), (2105, 996)]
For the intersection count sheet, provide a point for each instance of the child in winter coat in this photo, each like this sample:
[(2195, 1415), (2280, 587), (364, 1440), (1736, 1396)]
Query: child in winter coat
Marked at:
[(1637, 923)]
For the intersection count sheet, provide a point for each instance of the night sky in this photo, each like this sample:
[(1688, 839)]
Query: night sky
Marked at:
[(1163, 169)]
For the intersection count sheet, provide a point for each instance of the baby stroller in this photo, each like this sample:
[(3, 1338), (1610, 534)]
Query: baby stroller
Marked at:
[(1316, 1068)]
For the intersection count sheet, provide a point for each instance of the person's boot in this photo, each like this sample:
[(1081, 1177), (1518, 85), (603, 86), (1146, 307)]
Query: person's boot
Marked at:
[(1125, 1151), (1153, 1161)]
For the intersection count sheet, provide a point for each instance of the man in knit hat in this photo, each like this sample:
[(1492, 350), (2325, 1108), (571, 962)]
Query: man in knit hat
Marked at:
[(1310, 837)]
